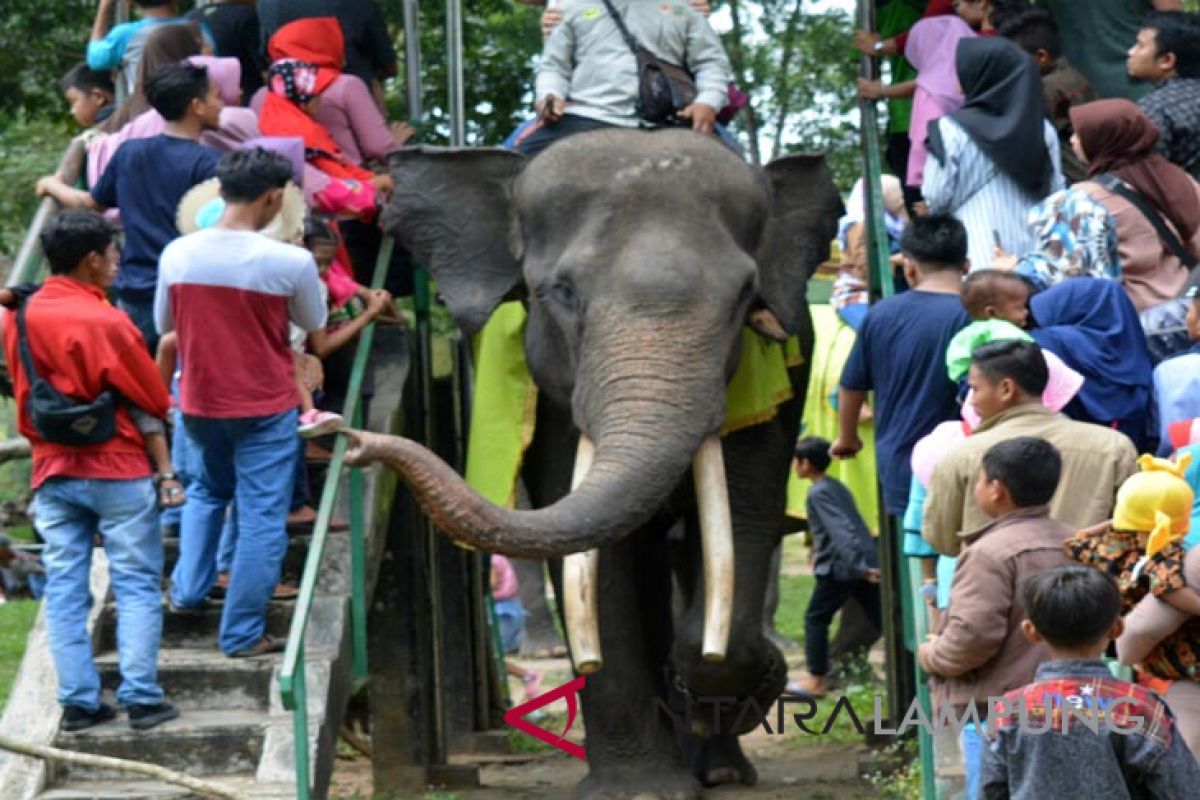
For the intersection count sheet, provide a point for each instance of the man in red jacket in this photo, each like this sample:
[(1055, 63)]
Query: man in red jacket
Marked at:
[(83, 346)]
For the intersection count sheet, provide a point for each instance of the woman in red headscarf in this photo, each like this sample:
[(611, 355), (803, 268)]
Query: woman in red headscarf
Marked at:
[(1115, 138)]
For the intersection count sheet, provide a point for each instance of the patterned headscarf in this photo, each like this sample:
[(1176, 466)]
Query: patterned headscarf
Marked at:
[(294, 79)]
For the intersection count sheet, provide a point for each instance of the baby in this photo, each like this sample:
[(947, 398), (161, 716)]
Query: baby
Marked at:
[(996, 294)]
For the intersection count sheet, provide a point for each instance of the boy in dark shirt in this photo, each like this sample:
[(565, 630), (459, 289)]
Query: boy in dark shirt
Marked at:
[(1063, 86), (147, 178), (845, 561), (1136, 752), (900, 354)]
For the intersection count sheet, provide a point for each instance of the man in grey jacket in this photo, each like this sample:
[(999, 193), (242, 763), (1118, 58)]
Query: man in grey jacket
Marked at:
[(587, 60)]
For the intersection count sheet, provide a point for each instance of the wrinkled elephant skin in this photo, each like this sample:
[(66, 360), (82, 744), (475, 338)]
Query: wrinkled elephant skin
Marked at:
[(638, 256)]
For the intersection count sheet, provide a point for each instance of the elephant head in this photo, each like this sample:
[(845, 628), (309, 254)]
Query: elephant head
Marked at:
[(639, 255)]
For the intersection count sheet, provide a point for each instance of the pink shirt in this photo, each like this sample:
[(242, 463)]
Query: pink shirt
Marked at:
[(504, 579), (349, 113)]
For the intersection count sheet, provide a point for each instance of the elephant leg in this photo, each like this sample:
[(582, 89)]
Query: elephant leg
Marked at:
[(771, 605), (754, 672), (631, 746), (541, 634), (719, 760)]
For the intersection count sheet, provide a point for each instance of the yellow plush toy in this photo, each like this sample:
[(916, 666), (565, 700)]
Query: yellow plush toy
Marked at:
[(1156, 500)]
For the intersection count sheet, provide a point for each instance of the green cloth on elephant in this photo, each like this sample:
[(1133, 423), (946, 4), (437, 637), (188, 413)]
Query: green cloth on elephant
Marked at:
[(505, 398), (958, 352), (834, 340), (504, 406)]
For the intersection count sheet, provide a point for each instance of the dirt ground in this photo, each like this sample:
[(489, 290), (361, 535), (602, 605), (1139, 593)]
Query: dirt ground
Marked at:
[(790, 767), (785, 773)]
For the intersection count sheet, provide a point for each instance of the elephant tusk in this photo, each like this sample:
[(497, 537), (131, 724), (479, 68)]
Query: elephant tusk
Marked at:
[(580, 578), (716, 541)]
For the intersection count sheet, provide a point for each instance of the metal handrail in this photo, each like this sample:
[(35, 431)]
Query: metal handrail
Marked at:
[(28, 262), (292, 686)]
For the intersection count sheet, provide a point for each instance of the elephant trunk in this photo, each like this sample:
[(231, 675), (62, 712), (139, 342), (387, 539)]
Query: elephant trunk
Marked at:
[(653, 393)]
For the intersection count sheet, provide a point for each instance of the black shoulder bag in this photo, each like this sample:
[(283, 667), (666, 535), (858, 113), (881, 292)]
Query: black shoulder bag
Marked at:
[(663, 88), (61, 419), (1165, 324)]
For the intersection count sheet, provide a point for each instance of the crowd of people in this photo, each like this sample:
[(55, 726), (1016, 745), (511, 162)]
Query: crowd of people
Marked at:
[(1043, 228), (228, 209), (1043, 225)]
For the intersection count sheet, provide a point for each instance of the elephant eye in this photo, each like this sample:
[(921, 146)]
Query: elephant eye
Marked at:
[(560, 293)]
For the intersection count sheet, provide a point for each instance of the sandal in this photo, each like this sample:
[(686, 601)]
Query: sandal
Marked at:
[(169, 496)]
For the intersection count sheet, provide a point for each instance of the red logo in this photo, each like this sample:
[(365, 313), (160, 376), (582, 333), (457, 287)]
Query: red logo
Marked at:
[(516, 717)]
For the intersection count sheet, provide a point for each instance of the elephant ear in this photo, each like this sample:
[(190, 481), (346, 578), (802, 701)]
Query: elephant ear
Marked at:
[(452, 208), (805, 207)]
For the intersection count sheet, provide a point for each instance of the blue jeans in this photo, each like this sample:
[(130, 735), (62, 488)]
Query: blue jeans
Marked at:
[(973, 741), (250, 460), (68, 512), (142, 314)]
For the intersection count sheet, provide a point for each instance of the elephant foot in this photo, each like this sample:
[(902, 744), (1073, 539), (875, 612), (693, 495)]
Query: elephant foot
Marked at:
[(659, 783), (719, 761)]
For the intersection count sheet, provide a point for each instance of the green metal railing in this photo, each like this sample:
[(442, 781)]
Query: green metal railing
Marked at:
[(906, 581), (292, 684)]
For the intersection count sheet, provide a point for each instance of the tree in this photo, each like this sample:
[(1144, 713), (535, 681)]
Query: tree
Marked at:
[(799, 67)]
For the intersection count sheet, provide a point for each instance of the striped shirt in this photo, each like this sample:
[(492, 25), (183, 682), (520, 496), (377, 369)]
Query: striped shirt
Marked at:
[(971, 187), (230, 295)]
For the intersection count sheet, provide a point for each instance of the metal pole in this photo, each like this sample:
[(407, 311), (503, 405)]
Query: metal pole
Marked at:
[(454, 73), (412, 60)]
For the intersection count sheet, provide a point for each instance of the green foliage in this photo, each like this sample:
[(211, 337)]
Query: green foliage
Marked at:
[(500, 42), (800, 66), (29, 148), (16, 618), (39, 41)]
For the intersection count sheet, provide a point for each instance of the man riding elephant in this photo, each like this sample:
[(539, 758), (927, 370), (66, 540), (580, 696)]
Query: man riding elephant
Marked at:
[(588, 77)]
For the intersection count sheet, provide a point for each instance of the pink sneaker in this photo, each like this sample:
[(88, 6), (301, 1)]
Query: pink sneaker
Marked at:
[(316, 423), (533, 684)]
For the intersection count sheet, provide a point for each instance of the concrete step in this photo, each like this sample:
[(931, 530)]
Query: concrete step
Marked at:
[(133, 789), (198, 630), (198, 743), (200, 680), (293, 559)]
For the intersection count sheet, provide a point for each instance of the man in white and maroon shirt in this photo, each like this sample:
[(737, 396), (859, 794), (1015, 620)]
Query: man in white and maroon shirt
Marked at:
[(229, 292)]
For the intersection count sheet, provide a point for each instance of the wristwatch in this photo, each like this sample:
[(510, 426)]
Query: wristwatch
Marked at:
[(878, 47), (929, 591)]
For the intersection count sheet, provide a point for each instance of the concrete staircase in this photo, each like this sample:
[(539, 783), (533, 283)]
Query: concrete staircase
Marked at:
[(232, 728)]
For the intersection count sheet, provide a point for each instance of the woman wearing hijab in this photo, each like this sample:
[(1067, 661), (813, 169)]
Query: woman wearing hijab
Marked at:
[(849, 297), (347, 109), (997, 156), (1115, 137), (932, 47), (1091, 324)]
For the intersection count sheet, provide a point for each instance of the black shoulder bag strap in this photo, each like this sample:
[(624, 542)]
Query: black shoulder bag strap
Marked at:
[(629, 38), (31, 375), (1168, 237)]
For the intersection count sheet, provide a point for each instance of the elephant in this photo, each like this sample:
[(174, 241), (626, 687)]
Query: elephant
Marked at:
[(638, 256)]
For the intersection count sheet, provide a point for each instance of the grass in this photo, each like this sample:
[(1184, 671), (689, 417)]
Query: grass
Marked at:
[(16, 618), (794, 591)]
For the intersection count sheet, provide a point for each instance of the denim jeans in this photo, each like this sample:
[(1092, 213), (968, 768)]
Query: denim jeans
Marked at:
[(972, 740), (142, 314), (68, 513), (250, 460)]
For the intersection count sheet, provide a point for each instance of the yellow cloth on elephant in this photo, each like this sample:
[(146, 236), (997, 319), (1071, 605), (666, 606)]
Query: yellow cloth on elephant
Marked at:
[(504, 410), (504, 406), (833, 343)]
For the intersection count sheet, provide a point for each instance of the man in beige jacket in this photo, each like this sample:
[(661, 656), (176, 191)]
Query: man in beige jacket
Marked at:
[(1008, 378)]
